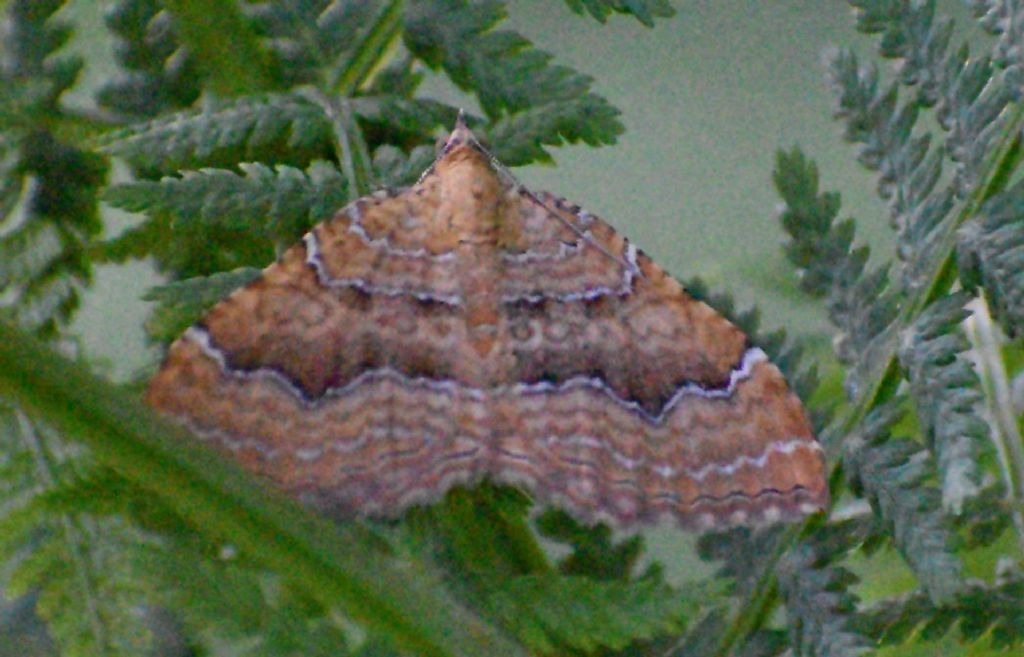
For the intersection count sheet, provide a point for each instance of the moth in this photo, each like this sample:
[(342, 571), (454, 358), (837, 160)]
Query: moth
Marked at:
[(466, 328)]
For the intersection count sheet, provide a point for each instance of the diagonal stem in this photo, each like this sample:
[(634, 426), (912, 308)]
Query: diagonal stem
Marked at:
[(370, 52)]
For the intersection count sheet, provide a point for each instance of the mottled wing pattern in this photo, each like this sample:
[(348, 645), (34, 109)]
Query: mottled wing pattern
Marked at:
[(467, 328)]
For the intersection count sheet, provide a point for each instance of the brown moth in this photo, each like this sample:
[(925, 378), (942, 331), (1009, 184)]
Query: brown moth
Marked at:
[(467, 328)]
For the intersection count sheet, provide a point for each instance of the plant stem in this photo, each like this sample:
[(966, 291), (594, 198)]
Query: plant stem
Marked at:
[(1006, 156), (370, 52), (352, 152)]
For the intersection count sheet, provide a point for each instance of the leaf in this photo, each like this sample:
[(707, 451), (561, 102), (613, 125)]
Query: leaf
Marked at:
[(223, 44), (72, 563), (276, 205), (594, 553), (644, 11), (892, 473), (158, 74), (554, 613), (182, 303), (947, 396), (271, 129), (821, 608), (990, 254), (505, 71), (995, 611), (519, 138), (860, 302)]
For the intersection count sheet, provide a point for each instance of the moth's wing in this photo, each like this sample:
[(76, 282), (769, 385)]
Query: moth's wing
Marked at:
[(346, 371), (634, 400)]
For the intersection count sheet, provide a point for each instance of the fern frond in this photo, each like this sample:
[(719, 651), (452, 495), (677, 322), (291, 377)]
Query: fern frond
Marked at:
[(31, 35), (48, 191), (312, 40), (43, 264), (1002, 18), (594, 552), (276, 205), (990, 253), (248, 215), (969, 97), (74, 563), (820, 607), (947, 396), (909, 169), (221, 600), (395, 168), (403, 122), (892, 473), (273, 129), (182, 303), (157, 73), (981, 610), (644, 11), (551, 614), (502, 67), (520, 138), (860, 302)]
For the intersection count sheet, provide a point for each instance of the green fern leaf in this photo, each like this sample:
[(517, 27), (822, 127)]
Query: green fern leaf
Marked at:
[(158, 74), (990, 253), (272, 128), (519, 138), (594, 552), (644, 11), (74, 563), (501, 67), (821, 608), (947, 396), (182, 303), (892, 473), (276, 205), (994, 611), (554, 613)]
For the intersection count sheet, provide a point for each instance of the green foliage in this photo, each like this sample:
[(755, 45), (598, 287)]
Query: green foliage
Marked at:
[(48, 187), (270, 204), (553, 614), (982, 612), (157, 74), (72, 560), (822, 608), (644, 10), (947, 396), (182, 303)]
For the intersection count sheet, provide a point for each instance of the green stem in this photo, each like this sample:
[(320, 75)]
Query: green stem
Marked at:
[(370, 52), (351, 150), (1000, 166), (341, 566)]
